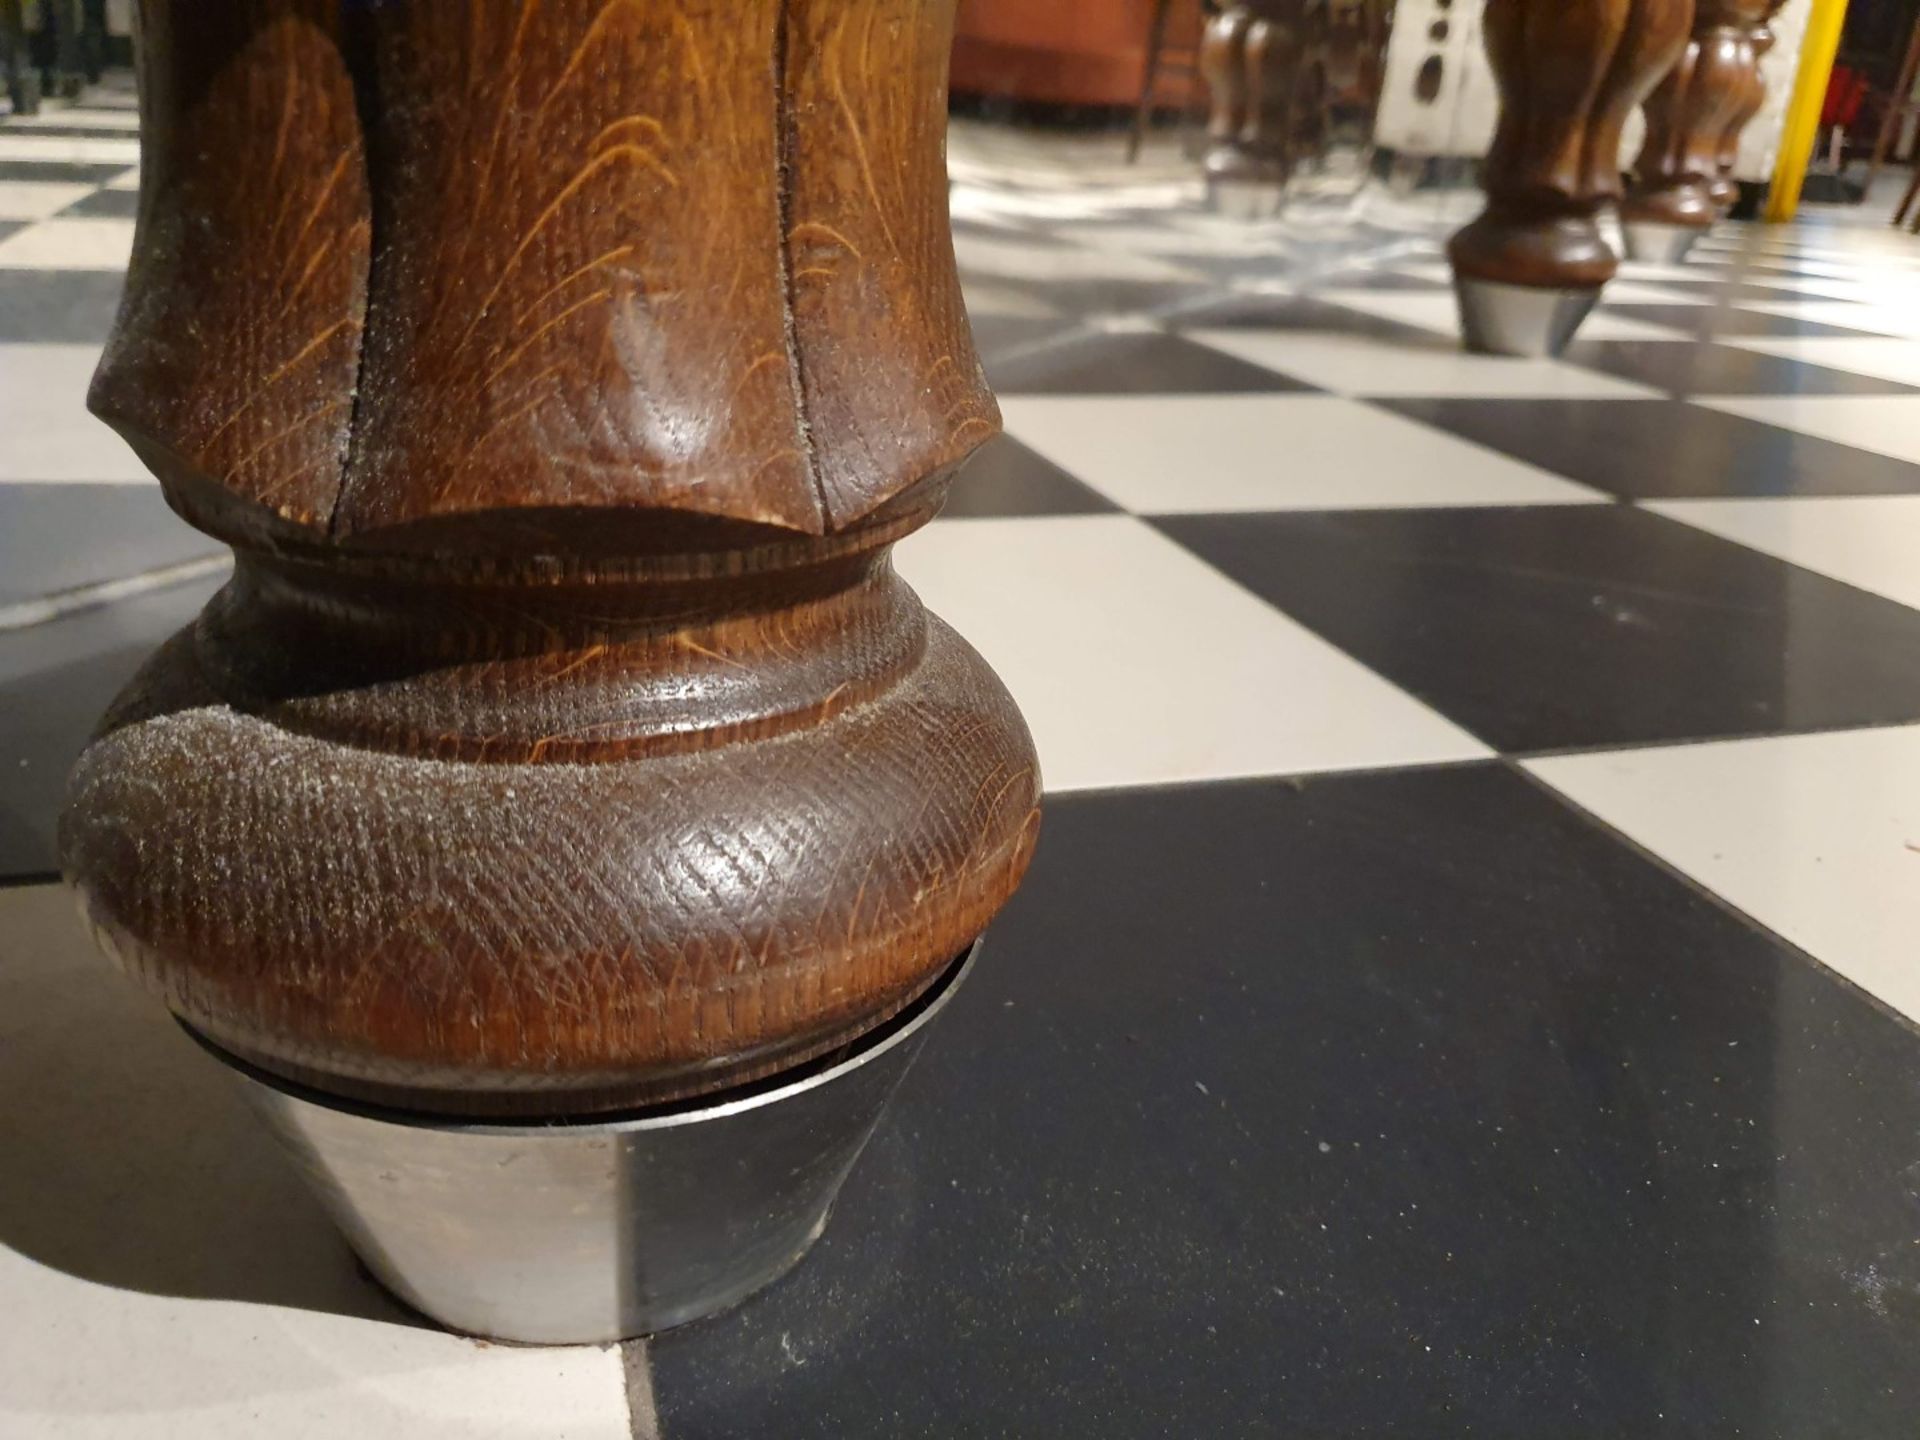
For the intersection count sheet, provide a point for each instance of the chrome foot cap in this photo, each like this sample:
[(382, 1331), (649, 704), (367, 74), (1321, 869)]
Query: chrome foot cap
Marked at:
[(1658, 243), (1523, 320), (593, 1231)]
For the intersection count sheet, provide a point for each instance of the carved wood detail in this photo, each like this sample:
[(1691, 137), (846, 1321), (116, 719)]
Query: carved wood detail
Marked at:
[(562, 375)]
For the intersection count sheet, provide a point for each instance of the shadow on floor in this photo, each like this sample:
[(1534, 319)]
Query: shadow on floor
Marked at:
[(130, 1158)]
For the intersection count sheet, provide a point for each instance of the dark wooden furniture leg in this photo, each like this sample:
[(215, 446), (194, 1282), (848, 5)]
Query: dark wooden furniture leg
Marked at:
[(1753, 96), (1899, 106), (1569, 72), (1694, 117), (22, 79), (565, 742), (1250, 57)]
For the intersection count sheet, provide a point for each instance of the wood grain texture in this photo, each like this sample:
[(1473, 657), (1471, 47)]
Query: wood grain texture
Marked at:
[(231, 368), (1570, 72), (1696, 114), (572, 744)]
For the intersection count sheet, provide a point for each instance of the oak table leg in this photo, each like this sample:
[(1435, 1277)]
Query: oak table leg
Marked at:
[(1569, 72), (564, 743), (1694, 118)]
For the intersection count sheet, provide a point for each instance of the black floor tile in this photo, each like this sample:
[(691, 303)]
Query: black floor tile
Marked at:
[(1402, 1105), (1647, 449), (69, 172), (55, 680), (1005, 478), (1709, 321), (1092, 296), (11, 227), (58, 306), (108, 204), (996, 335), (1131, 363), (1704, 368), (57, 537), (1554, 627), (131, 131), (1302, 312)]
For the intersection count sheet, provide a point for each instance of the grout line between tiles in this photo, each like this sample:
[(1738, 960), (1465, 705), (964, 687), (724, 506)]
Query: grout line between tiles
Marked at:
[(643, 1413), (1908, 1023)]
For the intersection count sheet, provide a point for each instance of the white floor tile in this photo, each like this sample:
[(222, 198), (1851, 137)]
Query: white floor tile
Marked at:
[(1883, 357), (1871, 542), (1642, 292), (45, 430), (1183, 454), (1137, 664), (37, 199), (125, 180), (68, 149), (1896, 312), (1014, 259), (1815, 836), (71, 117), (1884, 424), (1440, 313), (167, 1275), (90, 243), (1364, 365)]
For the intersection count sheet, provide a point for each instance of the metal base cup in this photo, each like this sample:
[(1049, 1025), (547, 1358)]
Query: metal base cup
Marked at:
[(1523, 320), (1657, 242), (578, 1233)]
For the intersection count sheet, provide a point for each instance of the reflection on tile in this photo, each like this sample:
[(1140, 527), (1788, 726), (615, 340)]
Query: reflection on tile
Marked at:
[(43, 415), (1666, 447), (1361, 365), (1179, 454), (168, 1275), (1815, 836), (1869, 541), (1105, 633), (1561, 627), (1327, 1101)]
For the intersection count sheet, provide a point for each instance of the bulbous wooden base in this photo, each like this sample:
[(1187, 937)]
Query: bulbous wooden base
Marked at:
[(613, 841)]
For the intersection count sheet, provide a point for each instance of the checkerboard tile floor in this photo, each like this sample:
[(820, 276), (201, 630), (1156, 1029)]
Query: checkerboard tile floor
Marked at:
[(1481, 869)]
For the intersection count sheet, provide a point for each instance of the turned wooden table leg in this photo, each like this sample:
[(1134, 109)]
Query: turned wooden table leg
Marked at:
[(1250, 58), (1694, 119), (1569, 73), (565, 742), (1725, 188)]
